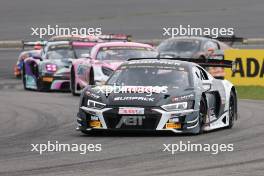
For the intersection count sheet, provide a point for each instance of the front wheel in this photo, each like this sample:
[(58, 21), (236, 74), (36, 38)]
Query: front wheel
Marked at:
[(91, 78), (202, 115), (232, 110), (24, 78), (73, 84)]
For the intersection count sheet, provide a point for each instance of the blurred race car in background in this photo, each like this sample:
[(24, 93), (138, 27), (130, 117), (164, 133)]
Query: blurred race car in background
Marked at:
[(104, 58), (49, 71), (160, 95), (191, 47), (36, 46), (34, 51), (198, 48)]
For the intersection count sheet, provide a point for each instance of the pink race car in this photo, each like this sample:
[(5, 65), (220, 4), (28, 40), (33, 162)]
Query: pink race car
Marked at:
[(104, 58)]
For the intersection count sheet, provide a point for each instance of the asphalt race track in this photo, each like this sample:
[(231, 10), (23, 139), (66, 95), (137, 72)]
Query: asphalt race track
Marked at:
[(28, 117), (141, 18)]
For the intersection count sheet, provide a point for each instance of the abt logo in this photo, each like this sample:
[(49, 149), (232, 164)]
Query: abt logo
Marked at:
[(131, 121)]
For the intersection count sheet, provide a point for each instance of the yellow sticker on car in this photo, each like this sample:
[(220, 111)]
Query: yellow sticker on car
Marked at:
[(95, 123), (47, 79), (173, 125)]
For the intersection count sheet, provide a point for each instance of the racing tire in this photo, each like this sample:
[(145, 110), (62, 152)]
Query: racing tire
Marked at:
[(72, 84), (41, 85), (232, 110), (23, 78), (91, 78), (203, 113)]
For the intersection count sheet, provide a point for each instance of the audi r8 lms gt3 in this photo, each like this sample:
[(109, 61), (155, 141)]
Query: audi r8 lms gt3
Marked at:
[(103, 60), (161, 95)]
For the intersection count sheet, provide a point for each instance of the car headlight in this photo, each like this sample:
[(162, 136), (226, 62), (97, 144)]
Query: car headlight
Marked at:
[(51, 67), (95, 104), (175, 106)]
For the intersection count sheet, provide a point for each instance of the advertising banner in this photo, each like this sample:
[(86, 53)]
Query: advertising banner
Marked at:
[(250, 66)]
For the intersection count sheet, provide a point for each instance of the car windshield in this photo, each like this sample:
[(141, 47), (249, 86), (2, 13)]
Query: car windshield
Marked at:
[(60, 52), (160, 76), (179, 45), (124, 53), (79, 51)]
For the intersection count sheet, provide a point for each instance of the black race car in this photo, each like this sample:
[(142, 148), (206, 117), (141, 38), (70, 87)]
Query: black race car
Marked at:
[(162, 95)]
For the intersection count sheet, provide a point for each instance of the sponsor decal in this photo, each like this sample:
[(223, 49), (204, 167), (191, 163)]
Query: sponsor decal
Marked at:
[(95, 123), (130, 110), (94, 117), (173, 125), (153, 62), (47, 79), (92, 95), (134, 98), (249, 67), (131, 121), (124, 48), (182, 98)]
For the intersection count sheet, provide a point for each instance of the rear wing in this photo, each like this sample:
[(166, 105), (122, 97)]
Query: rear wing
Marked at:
[(209, 62), (74, 38), (201, 62), (116, 37), (229, 40), (30, 44)]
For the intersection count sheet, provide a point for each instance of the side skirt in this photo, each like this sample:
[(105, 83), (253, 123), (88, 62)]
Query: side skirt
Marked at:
[(221, 122)]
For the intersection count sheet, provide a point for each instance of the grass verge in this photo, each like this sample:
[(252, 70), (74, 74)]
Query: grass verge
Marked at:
[(250, 92)]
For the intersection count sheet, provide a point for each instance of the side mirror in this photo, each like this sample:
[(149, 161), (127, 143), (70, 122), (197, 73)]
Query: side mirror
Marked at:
[(218, 55), (207, 85), (85, 55)]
